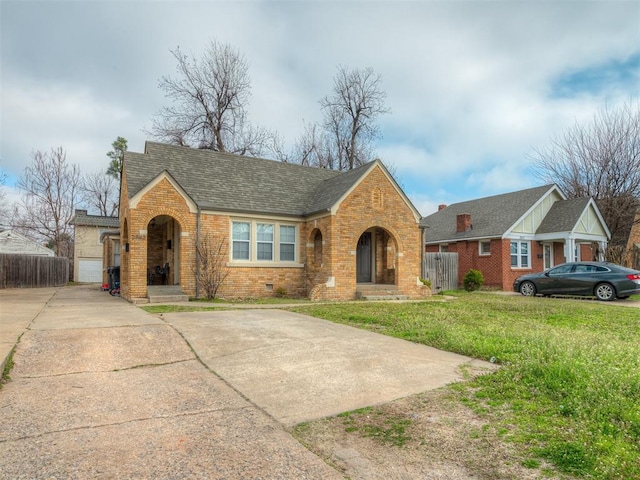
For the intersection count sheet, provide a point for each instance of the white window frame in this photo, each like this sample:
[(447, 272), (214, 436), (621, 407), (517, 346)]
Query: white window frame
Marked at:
[(262, 241), (254, 241), (480, 252), (116, 253), (281, 242), (240, 240), (519, 255), (443, 248)]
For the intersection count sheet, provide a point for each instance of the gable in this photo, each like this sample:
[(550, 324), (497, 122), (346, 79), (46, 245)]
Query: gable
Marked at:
[(162, 177), (590, 222), (379, 183), (13, 242), (535, 216)]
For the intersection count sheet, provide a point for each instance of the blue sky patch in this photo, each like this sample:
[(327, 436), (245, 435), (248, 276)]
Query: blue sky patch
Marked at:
[(596, 79)]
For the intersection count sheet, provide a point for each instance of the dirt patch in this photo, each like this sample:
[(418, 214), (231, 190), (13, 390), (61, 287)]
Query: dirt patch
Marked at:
[(430, 436)]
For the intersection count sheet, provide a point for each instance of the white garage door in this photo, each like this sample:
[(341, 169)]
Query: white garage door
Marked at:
[(90, 271)]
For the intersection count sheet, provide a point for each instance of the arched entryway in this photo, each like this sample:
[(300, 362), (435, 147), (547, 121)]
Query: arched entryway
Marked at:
[(163, 251), (376, 256)]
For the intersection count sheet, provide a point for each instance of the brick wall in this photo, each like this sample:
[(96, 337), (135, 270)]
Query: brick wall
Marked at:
[(329, 256)]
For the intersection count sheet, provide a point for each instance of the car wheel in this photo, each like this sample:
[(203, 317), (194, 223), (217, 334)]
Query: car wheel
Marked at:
[(605, 292), (528, 289)]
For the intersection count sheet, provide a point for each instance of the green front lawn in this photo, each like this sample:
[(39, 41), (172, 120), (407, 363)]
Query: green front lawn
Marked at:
[(568, 391)]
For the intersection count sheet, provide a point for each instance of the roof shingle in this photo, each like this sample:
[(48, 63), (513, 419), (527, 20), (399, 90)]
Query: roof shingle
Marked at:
[(490, 216), (227, 182)]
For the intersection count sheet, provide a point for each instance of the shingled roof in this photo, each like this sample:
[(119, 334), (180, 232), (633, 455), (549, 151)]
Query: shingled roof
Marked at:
[(563, 215), (233, 183), (80, 217), (490, 216)]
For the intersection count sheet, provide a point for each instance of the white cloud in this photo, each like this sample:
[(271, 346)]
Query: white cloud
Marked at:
[(470, 84)]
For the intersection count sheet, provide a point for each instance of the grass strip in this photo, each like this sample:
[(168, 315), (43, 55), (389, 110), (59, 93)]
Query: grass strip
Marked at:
[(569, 387)]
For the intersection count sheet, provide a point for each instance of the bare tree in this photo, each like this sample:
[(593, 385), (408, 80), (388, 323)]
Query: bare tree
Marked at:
[(212, 254), (313, 148), (210, 99), (602, 160), (350, 115), (4, 208), (50, 191), (100, 192)]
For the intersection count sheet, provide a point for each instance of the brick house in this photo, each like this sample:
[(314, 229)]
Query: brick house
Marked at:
[(633, 242), (505, 236), (88, 264), (308, 231)]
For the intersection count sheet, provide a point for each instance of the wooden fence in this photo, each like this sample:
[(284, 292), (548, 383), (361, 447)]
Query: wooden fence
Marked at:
[(32, 271), (442, 270)]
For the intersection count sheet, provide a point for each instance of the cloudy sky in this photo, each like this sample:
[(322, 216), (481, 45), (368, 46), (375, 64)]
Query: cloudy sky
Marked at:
[(473, 86)]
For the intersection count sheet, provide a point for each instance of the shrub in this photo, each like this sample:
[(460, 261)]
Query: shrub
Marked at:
[(473, 280)]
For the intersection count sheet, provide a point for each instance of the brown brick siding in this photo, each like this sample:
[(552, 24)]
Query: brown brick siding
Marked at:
[(373, 203), (496, 268)]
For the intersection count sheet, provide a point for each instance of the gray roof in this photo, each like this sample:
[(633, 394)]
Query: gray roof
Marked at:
[(80, 217), (563, 215), (490, 216), (233, 183)]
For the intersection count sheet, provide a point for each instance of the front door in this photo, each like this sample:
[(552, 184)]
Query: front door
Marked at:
[(548, 255), (363, 258)]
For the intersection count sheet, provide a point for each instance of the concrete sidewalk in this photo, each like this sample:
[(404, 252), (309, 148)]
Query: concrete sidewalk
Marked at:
[(100, 389), (18, 308)]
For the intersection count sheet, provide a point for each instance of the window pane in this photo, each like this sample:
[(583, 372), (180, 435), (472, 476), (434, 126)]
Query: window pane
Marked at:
[(485, 247), (514, 260), (287, 252), (514, 249), (287, 234), (265, 251), (241, 250), (524, 248), (241, 231), (265, 232)]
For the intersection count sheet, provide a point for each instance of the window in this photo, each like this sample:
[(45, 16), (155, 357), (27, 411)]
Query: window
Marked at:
[(265, 241), (561, 270), (116, 253), (443, 248), (485, 247), (241, 234), (520, 255), (255, 241), (287, 243)]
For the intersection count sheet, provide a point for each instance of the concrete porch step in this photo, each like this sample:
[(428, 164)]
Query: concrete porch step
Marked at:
[(373, 291), (166, 294), (373, 298)]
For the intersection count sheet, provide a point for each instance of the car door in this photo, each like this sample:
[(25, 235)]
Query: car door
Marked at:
[(556, 280), (583, 279)]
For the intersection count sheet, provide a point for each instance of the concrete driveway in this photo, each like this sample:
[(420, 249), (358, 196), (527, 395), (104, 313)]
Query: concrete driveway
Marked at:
[(299, 368), (101, 389)]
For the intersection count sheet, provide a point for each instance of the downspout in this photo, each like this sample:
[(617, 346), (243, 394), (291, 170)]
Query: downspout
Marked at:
[(198, 253)]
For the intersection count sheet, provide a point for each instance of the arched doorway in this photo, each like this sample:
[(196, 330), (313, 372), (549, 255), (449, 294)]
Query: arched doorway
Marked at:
[(376, 253), (163, 251)]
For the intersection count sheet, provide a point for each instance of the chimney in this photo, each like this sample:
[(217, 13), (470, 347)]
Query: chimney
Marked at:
[(463, 222), (441, 206)]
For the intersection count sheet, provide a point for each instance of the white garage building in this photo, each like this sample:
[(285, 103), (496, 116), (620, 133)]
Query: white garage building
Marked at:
[(87, 259)]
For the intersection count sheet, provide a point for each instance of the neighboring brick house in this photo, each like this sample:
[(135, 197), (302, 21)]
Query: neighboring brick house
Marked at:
[(505, 236), (88, 265), (633, 242), (308, 231)]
